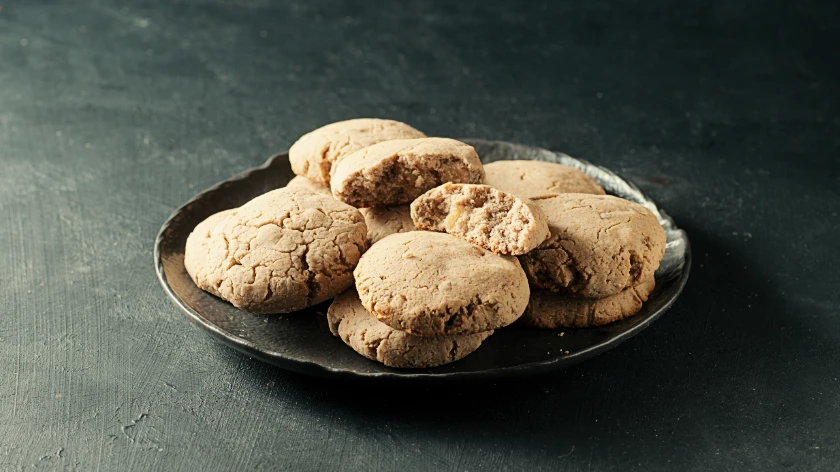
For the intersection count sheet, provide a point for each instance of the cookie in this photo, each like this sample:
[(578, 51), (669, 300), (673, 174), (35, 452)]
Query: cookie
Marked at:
[(303, 183), (198, 245), (314, 154), (387, 220), (483, 215), (599, 245), (536, 178), (554, 310), (433, 284), (281, 252), (397, 172), (377, 341)]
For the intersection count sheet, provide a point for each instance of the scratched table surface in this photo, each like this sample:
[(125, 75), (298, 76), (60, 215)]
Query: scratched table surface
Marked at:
[(114, 113)]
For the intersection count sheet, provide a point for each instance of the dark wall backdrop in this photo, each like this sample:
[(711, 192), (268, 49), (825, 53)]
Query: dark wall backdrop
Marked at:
[(114, 113)]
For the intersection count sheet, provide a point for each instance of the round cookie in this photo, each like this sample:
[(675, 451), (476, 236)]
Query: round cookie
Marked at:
[(536, 178), (377, 341), (433, 284), (303, 183), (387, 220), (599, 245), (281, 252), (397, 172), (483, 215), (313, 155), (198, 245), (554, 310)]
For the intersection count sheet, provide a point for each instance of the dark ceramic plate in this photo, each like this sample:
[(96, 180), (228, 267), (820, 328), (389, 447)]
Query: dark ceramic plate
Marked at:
[(301, 341)]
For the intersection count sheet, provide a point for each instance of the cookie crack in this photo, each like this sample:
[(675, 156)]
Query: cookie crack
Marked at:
[(410, 348), (341, 145), (606, 229), (453, 351), (636, 266), (380, 345), (590, 316), (454, 317), (310, 275), (232, 257), (269, 292)]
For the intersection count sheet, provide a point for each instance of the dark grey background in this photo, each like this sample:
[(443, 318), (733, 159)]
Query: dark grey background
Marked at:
[(114, 113)]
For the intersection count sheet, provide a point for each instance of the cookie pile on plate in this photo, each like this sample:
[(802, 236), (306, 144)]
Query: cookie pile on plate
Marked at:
[(425, 250)]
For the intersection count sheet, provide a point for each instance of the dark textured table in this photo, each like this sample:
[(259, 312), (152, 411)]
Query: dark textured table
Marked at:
[(111, 115)]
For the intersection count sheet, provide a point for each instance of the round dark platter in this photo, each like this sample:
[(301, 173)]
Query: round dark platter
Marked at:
[(302, 342)]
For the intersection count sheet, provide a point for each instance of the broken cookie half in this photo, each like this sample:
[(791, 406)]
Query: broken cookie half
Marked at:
[(482, 215), (396, 172)]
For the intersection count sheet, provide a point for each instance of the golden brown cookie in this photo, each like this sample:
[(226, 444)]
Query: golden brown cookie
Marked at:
[(387, 220), (599, 245), (314, 154), (397, 172), (536, 178), (198, 246), (556, 310), (483, 215), (360, 330), (433, 284), (281, 252)]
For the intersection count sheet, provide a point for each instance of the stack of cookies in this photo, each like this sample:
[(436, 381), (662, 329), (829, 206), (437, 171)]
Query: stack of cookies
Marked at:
[(426, 251)]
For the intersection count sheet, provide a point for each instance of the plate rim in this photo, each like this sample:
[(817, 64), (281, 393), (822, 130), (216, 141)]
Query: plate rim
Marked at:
[(316, 369)]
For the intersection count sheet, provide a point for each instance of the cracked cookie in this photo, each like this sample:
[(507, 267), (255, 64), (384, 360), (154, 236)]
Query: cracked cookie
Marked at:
[(483, 215), (556, 310), (387, 220), (433, 284), (198, 245), (314, 154), (360, 330), (281, 252), (397, 172), (303, 183), (535, 178), (599, 245)]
